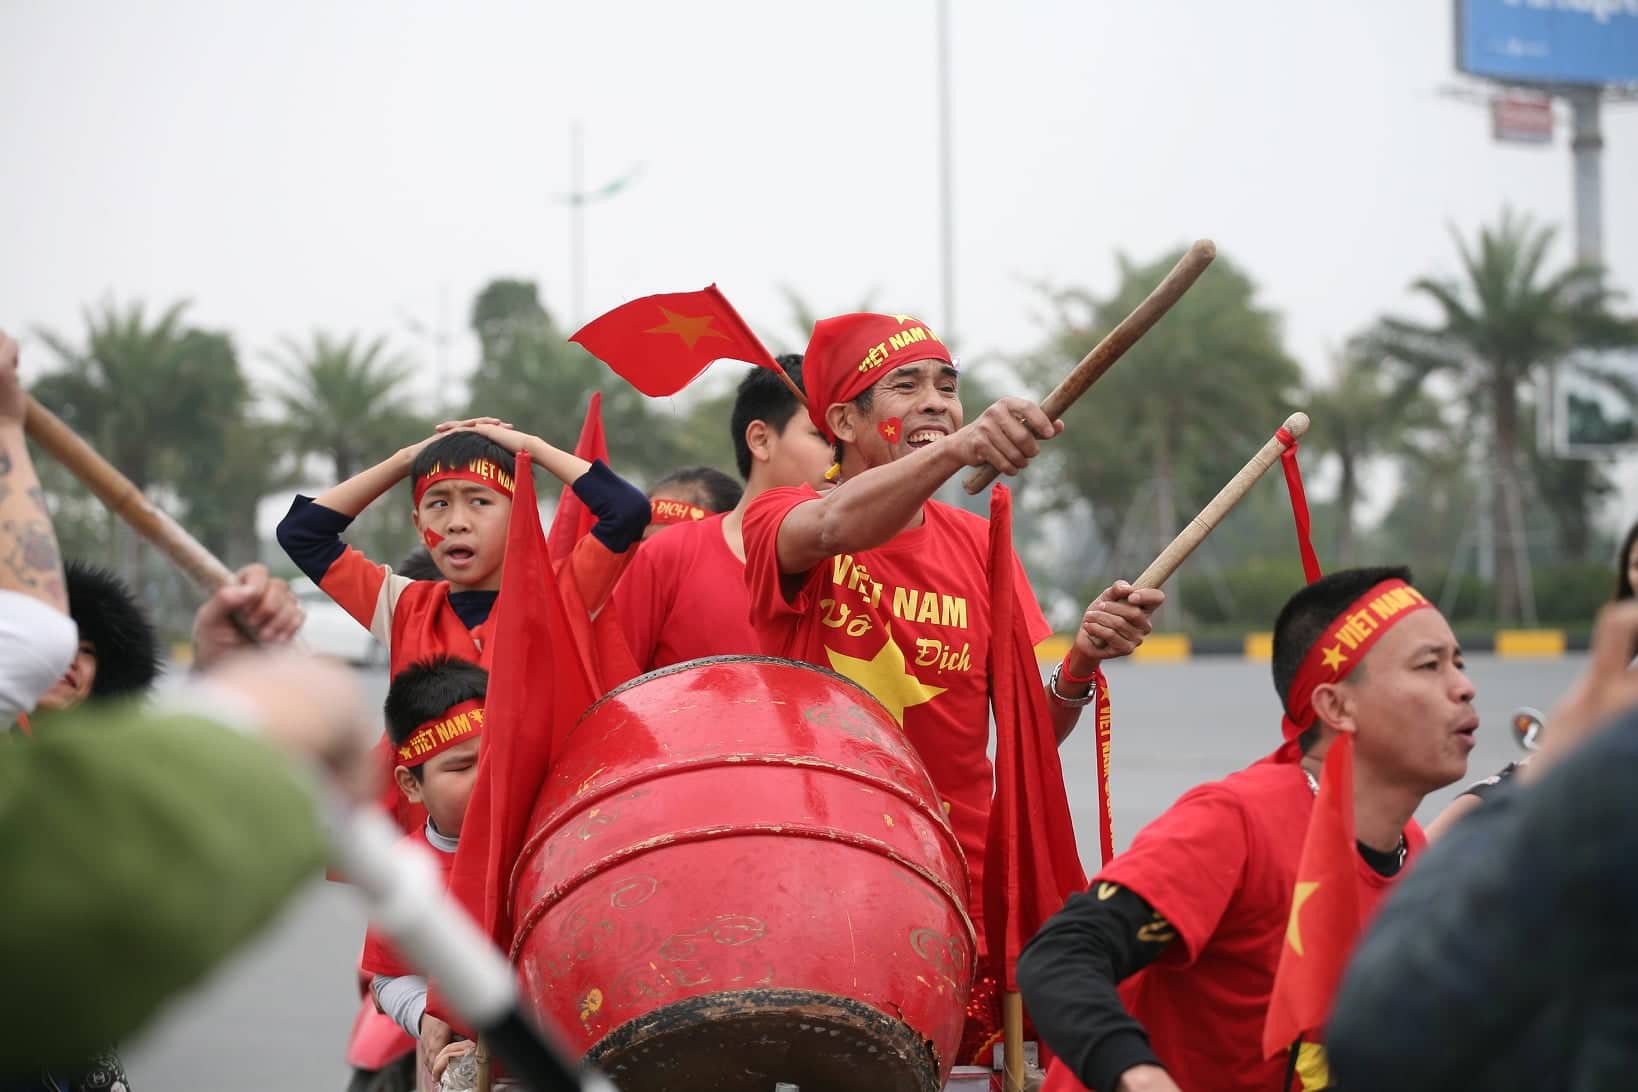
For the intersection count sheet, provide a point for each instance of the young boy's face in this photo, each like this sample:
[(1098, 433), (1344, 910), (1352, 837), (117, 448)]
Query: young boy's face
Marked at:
[(75, 685), (445, 785), (464, 526), (798, 454)]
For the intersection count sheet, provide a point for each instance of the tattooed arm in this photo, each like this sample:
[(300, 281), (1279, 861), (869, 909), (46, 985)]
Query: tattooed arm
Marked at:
[(29, 560)]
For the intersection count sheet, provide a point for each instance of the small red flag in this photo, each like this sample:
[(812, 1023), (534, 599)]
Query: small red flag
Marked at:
[(539, 685), (1031, 864), (1326, 915), (659, 344), (573, 521)]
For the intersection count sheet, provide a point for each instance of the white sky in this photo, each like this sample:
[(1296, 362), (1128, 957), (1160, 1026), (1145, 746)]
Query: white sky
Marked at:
[(343, 165)]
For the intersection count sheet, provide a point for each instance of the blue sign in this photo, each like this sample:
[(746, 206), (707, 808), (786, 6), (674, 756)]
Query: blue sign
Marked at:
[(1549, 41)]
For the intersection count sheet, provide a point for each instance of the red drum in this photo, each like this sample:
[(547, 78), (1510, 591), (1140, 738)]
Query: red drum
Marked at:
[(739, 874)]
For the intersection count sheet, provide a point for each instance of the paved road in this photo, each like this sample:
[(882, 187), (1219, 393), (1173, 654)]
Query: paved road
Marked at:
[(276, 1018)]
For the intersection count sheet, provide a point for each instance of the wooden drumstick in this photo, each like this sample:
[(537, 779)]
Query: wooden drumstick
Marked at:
[(1162, 567), (122, 496), (1115, 343)]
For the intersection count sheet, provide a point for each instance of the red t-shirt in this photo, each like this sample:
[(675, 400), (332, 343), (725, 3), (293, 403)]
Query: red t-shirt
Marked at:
[(379, 955), (1220, 865), (910, 622), (683, 596)]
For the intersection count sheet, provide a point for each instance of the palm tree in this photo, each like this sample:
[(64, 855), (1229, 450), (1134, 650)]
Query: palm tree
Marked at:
[(1360, 414), (133, 391), (345, 399), (1504, 321)]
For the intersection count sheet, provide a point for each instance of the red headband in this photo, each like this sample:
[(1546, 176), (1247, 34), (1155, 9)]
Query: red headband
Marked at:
[(665, 511), (1344, 644), (458, 724), (848, 352), (482, 471)]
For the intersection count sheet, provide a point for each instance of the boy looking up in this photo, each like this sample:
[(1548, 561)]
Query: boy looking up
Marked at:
[(434, 712), (462, 483)]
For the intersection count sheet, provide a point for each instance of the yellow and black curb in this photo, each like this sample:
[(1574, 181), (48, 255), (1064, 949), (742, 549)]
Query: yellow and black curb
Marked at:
[(1520, 644)]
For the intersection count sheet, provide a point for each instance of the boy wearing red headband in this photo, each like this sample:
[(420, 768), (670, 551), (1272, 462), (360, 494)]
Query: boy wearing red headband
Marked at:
[(881, 583), (690, 494), (1160, 975), (684, 595), (462, 499), (434, 712)]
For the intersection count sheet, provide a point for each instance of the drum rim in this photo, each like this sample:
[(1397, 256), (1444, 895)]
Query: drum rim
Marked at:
[(905, 1040), (737, 657)]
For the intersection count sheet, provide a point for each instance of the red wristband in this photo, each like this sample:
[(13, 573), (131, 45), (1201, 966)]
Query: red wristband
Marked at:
[(1069, 676)]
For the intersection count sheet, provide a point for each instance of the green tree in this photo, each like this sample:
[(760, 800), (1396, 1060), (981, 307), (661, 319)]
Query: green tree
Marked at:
[(529, 373), (345, 399), (1504, 320), (225, 462), (1361, 415), (1185, 406), (1571, 490), (142, 392)]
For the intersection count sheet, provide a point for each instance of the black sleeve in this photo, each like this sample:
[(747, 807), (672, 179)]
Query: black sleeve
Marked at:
[(1068, 976), (311, 534), (621, 508)]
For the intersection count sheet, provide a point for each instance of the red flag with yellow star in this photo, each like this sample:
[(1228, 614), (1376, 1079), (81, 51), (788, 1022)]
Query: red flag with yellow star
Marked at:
[(659, 344), (1326, 915)]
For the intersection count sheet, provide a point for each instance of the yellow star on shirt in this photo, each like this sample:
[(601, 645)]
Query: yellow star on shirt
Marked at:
[(1300, 895), (1334, 658), (885, 677), (691, 328)]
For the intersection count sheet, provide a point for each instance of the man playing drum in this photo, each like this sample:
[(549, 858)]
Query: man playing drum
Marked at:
[(879, 582)]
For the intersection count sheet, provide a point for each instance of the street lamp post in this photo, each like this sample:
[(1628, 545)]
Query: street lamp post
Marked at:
[(577, 199)]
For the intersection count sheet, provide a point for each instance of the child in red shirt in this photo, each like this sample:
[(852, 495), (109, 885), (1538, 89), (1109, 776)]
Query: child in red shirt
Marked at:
[(435, 715), (684, 595), (462, 499)]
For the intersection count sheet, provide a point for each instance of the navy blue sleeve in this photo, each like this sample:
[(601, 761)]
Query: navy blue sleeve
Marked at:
[(311, 534), (621, 508)]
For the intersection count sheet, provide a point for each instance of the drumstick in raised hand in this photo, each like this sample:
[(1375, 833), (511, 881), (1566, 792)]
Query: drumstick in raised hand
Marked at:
[(1114, 344)]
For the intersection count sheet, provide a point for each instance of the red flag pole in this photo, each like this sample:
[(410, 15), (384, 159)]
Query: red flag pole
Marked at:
[(790, 383)]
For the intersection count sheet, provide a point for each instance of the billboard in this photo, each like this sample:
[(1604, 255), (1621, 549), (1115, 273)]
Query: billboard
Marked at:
[(1595, 404), (1520, 118), (1591, 42)]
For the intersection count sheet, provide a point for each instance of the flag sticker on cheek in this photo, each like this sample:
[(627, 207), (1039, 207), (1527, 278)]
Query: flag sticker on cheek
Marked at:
[(891, 429), (431, 538)]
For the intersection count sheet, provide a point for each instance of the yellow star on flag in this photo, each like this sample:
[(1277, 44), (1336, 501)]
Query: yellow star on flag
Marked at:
[(890, 431), (1300, 895), (1334, 658), (885, 677), (691, 328)]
